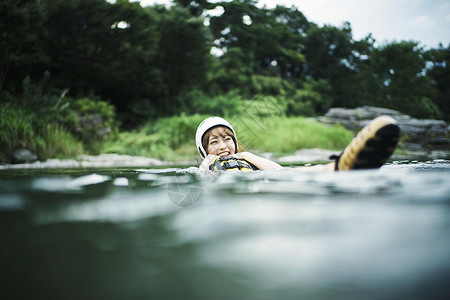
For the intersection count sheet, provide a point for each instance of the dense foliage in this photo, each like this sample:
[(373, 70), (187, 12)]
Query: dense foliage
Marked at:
[(198, 57), (21, 129), (156, 61)]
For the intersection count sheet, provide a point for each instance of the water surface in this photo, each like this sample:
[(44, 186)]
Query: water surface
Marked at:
[(174, 233)]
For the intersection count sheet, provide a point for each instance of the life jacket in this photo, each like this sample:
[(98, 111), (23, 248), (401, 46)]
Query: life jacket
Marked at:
[(231, 163)]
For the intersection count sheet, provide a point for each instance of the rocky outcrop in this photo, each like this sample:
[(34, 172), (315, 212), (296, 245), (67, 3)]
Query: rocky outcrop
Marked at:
[(418, 136), (21, 156)]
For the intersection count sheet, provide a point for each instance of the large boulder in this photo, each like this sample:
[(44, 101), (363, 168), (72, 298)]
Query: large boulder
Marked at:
[(21, 156), (418, 135)]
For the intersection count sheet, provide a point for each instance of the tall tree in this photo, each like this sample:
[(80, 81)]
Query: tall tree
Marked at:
[(399, 70), (279, 41), (99, 48), (195, 7), (183, 55), (260, 41), (332, 54), (21, 35), (438, 71)]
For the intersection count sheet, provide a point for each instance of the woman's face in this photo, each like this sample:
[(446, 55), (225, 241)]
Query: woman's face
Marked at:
[(220, 142)]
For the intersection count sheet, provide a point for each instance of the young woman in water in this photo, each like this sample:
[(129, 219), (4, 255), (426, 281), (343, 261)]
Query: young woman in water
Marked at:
[(218, 146)]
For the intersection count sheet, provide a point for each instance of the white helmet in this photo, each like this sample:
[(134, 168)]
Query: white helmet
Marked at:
[(206, 125)]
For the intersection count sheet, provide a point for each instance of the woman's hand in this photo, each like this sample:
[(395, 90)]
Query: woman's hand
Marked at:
[(207, 162), (259, 162), (246, 156)]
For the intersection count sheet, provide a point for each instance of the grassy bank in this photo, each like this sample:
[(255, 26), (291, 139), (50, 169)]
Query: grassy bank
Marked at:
[(168, 139), (285, 135), (20, 128), (172, 138)]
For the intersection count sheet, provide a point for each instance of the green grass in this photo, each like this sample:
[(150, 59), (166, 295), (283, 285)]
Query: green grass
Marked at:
[(22, 129), (167, 139), (60, 143), (172, 138), (285, 135)]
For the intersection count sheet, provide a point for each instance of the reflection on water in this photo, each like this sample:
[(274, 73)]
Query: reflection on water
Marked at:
[(174, 233)]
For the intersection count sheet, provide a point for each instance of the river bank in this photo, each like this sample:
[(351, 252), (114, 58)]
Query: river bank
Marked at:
[(167, 142), (303, 156)]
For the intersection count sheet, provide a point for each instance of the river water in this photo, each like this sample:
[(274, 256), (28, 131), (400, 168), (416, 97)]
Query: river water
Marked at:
[(176, 234)]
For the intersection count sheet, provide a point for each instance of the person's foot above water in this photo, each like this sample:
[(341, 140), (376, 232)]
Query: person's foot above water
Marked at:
[(372, 146)]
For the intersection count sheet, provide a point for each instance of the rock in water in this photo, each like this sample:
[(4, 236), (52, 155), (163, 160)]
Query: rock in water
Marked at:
[(23, 156)]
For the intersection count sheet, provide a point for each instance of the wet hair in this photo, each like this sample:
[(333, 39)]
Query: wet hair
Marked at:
[(219, 131)]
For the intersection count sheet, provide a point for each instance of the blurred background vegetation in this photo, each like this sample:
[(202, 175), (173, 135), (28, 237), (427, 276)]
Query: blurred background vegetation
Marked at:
[(96, 76)]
